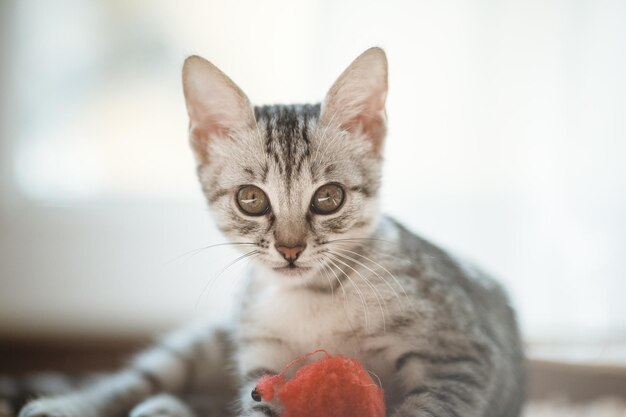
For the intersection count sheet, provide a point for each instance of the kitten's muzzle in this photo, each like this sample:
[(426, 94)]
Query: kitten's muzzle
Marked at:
[(290, 253)]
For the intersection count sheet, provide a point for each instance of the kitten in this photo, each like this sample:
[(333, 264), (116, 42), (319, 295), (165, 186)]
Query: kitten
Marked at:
[(298, 187)]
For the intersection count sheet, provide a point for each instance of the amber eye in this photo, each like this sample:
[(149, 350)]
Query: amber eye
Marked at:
[(327, 199), (252, 200)]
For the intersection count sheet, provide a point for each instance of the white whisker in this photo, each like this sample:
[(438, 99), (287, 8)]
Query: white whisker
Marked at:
[(398, 283), (377, 294), (358, 290), (345, 296), (330, 284), (194, 252), (209, 284), (395, 293)]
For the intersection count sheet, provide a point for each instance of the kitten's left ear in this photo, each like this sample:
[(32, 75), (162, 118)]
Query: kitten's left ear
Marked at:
[(217, 107), (356, 101)]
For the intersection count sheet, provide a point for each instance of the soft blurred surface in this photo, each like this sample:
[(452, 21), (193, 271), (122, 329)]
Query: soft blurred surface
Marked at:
[(507, 144)]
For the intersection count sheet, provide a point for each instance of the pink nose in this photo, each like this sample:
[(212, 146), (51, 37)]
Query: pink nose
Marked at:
[(290, 253)]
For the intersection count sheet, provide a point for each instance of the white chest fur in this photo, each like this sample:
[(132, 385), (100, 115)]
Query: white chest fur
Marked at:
[(305, 320)]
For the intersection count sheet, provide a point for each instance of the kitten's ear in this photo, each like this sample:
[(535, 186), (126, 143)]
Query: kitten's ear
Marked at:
[(356, 101), (217, 108)]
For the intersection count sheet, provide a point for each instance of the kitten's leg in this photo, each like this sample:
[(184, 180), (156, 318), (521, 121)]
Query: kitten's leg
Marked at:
[(184, 360), (445, 384), (162, 405), (252, 408), (260, 356)]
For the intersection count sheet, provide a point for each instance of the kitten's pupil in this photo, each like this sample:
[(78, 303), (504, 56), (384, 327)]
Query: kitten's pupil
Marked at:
[(328, 197)]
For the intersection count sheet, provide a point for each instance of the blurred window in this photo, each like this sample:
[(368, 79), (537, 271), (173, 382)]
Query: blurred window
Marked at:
[(507, 129)]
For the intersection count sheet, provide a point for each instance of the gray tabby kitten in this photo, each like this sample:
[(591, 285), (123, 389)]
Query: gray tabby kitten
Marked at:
[(298, 187)]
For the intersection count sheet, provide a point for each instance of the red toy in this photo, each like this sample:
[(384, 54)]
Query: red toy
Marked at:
[(334, 386)]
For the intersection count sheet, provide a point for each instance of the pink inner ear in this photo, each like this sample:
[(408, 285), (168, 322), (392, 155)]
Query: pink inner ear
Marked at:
[(356, 102), (200, 136), (209, 122), (370, 119), (370, 125)]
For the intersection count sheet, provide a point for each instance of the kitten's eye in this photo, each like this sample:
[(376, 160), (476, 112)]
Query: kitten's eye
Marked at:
[(252, 200), (327, 199)]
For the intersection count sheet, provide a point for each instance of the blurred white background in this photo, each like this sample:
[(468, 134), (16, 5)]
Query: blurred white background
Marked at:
[(507, 144)]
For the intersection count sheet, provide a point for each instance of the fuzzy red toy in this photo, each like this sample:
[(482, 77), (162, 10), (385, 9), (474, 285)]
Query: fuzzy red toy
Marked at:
[(334, 386)]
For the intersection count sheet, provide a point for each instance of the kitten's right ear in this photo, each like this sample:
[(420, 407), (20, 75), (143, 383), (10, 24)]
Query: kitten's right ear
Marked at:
[(356, 101), (216, 106)]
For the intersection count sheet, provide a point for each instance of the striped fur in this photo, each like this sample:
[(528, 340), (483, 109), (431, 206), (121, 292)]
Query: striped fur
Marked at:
[(439, 335)]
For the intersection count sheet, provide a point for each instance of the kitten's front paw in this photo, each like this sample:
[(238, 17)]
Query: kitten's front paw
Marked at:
[(65, 406)]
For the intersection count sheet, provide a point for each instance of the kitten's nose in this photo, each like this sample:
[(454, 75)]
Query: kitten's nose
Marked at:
[(290, 253)]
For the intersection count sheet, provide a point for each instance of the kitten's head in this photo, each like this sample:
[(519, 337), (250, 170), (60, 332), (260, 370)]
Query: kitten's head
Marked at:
[(292, 180)]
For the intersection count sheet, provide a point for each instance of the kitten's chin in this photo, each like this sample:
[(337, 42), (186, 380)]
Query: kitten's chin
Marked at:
[(284, 273), (291, 277), (292, 271)]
